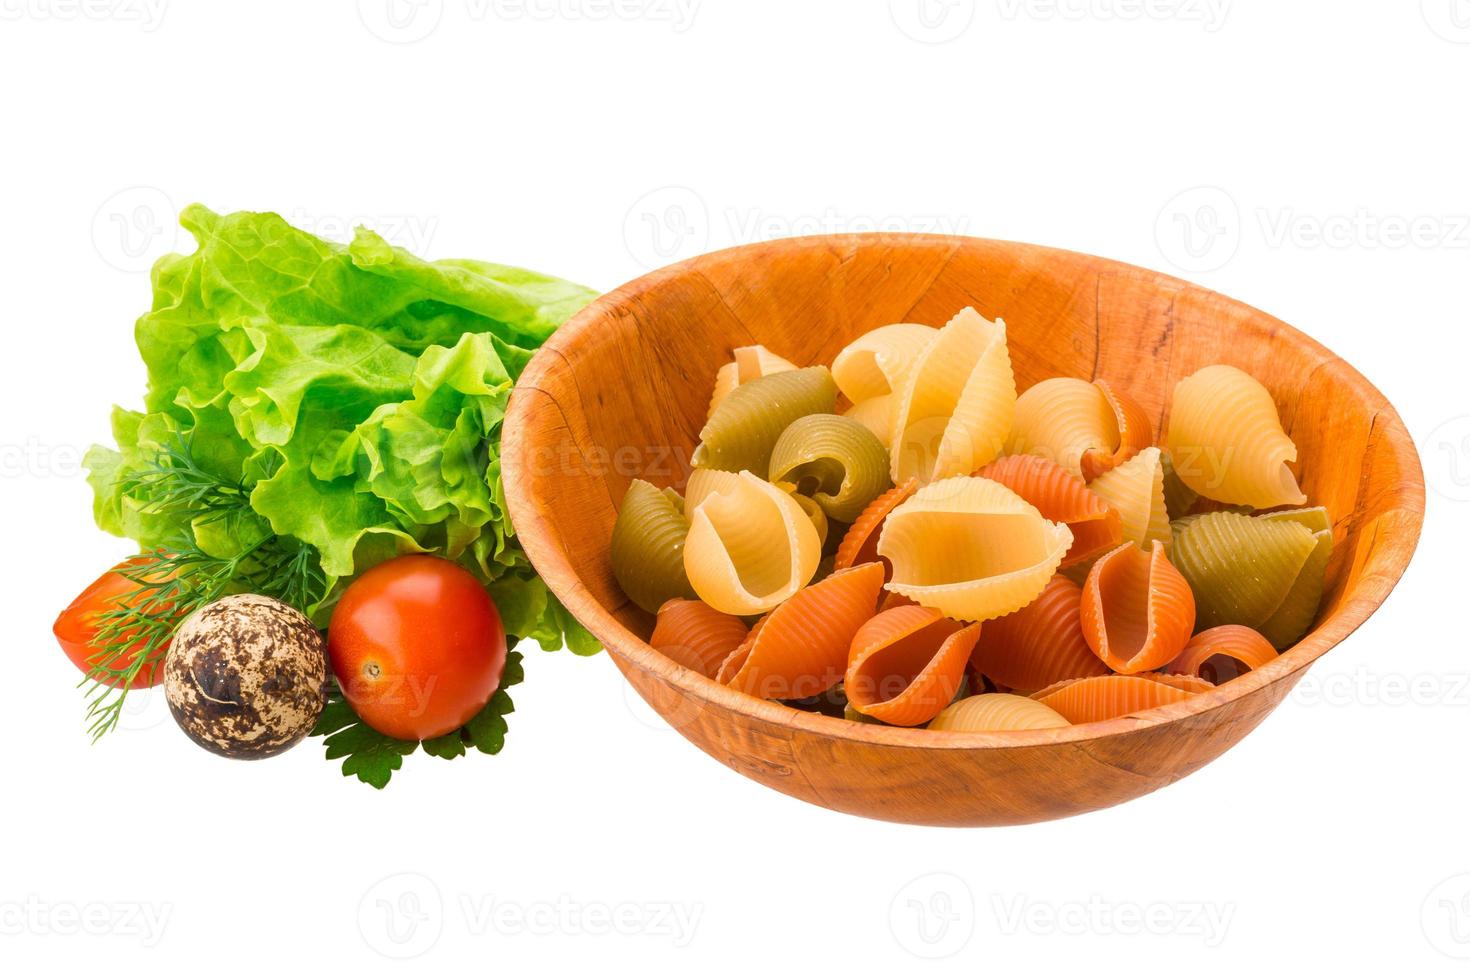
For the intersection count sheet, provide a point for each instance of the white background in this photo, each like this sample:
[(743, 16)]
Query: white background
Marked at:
[(1309, 158)]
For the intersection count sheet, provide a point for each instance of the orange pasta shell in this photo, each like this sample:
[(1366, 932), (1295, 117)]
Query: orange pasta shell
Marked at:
[(696, 635), (1100, 698), (1040, 644), (1240, 648), (800, 648), (1137, 610), (905, 665), (1047, 485), (860, 543), (1135, 432)]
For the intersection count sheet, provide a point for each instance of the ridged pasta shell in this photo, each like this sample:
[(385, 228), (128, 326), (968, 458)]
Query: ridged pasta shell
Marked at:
[(1221, 653), (813, 511), (1135, 432), (956, 405), (1135, 489), (750, 548), (1086, 427), (835, 461), (1178, 498), (860, 543), (1100, 698), (1294, 616), (745, 426), (749, 363), (1226, 440), (703, 483), (997, 713), (696, 635), (1185, 682), (971, 548), (1060, 496), (875, 415), (800, 648), (1241, 569), (647, 553), (1039, 644), (1137, 610), (875, 363), (906, 665)]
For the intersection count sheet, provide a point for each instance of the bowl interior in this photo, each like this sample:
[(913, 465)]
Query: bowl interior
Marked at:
[(621, 392)]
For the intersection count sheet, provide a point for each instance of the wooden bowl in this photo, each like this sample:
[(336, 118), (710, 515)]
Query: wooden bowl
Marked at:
[(621, 392)]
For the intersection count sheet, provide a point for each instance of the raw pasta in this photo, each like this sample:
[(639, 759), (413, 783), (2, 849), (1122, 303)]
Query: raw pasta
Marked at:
[(800, 649), (956, 404), (1100, 698), (744, 428), (860, 543), (749, 363), (647, 554), (1226, 440), (696, 635), (906, 665), (875, 363), (997, 713), (875, 415), (1137, 610), (1086, 427), (1039, 644), (1224, 652), (1294, 616), (971, 548), (1178, 498), (750, 548), (835, 461), (1242, 569), (1096, 526), (1135, 490)]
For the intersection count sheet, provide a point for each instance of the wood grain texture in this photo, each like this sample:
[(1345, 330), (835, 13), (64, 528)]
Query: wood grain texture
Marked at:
[(621, 391)]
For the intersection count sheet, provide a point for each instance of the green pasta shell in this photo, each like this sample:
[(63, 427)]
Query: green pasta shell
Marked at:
[(1178, 498), (648, 546), (1294, 616), (1241, 569), (834, 460), (744, 428)]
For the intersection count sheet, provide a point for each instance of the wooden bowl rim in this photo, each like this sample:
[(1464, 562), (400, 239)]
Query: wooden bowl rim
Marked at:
[(556, 570)]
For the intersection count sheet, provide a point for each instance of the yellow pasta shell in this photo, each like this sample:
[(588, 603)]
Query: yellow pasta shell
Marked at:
[(876, 415), (997, 713), (971, 548), (874, 364), (1226, 441), (1061, 419), (1135, 489), (750, 548)]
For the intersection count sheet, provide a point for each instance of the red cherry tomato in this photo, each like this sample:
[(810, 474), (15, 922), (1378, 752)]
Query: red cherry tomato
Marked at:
[(76, 629), (417, 647)]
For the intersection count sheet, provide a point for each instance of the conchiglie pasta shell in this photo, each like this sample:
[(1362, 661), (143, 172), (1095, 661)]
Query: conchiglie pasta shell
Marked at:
[(749, 363), (1060, 496), (875, 415), (997, 713), (1226, 440), (1137, 610), (1178, 498), (1134, 428), (906, 665), (696, 635), (751, 548), (703, 483), (818, 517), (875, 363), (647, 554), (971, 548), (744, 428), (1135, 489), (1039, 644), (956, 405), (800, 649), (1223, 652), (1240, 568), (835, 461), (1294, 616), (860, 543), (1100, 698), (1062, 419), (1184, 682)]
